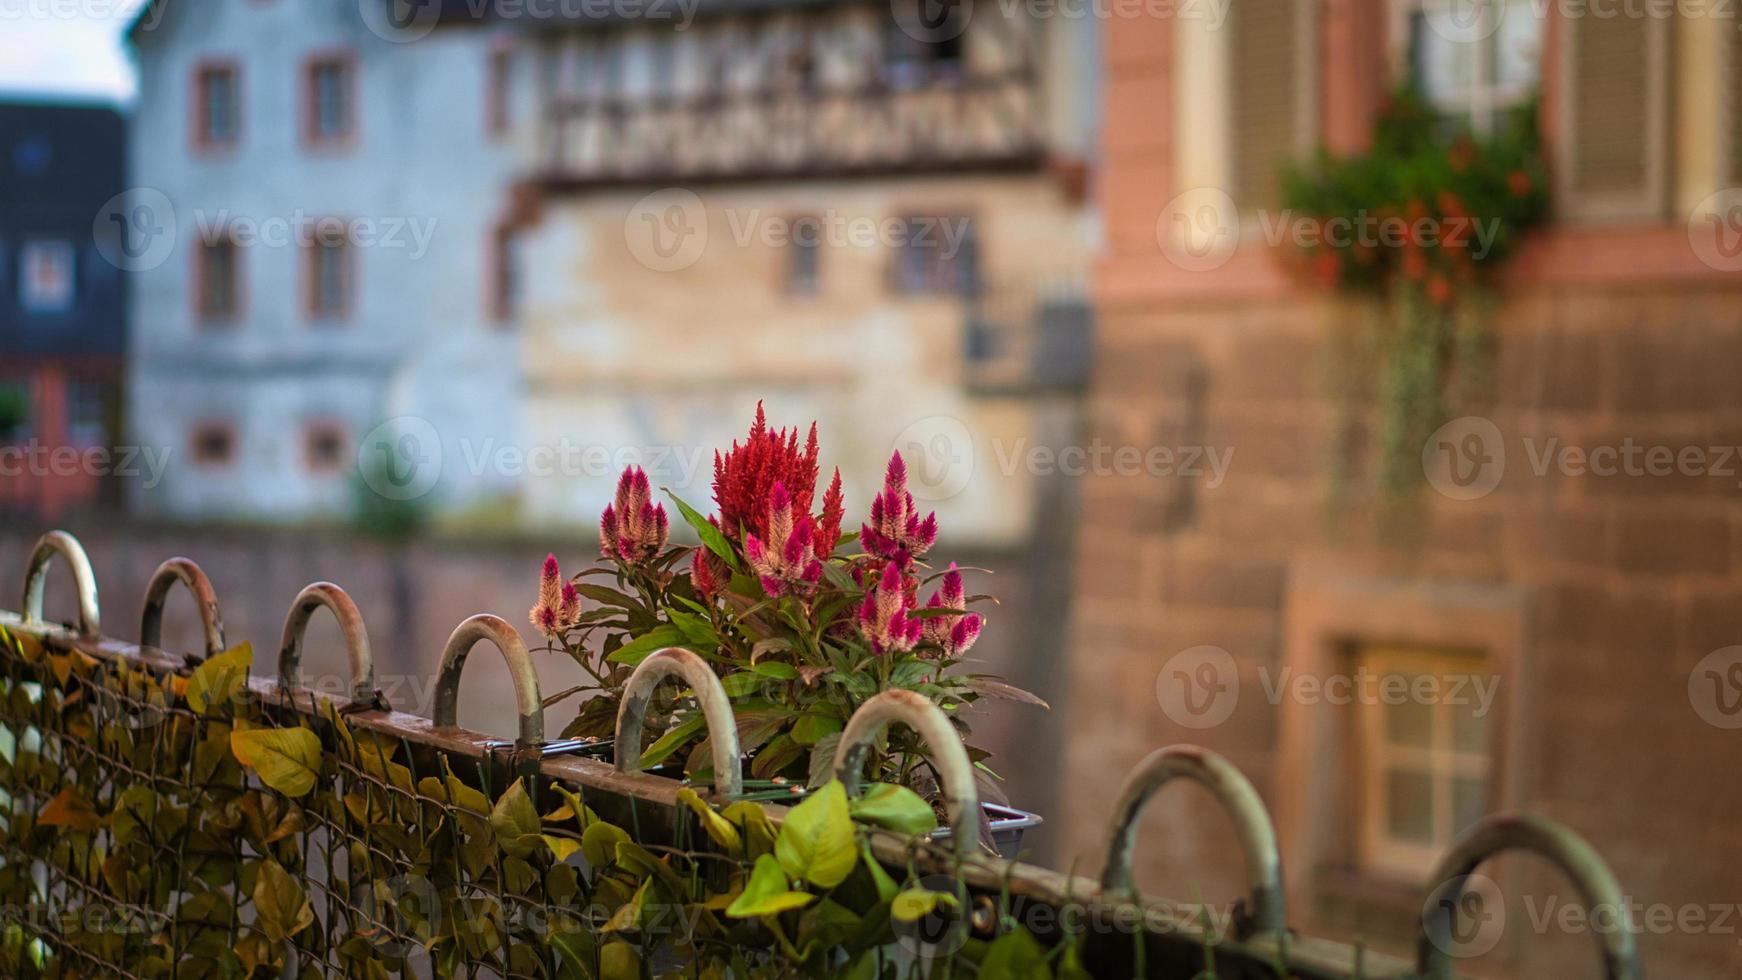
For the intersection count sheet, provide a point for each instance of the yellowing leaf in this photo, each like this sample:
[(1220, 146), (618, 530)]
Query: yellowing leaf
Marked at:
[(286, 759), (766, 893), (281, 907), (917, 903), (70, 810), (221, 680), (717, 827), (562, 847), (515, 821), (816, 842)]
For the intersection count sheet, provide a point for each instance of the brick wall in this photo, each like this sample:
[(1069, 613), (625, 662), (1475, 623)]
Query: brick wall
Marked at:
[(1597, 597)]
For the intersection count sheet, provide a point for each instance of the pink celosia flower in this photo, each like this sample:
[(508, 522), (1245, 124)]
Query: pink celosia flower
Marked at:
[(829, 525), (558, 609), (896, 532), (883, 616), (633, 528), (786, 562), (953, 635), (708, 573)]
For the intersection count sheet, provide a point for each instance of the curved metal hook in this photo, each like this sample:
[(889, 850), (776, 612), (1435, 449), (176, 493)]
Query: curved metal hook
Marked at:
[(955, 771), (716, 709), (68, 547), (327, 595), (526, 698), (1234, 791), (185, 572), (1538, 835)]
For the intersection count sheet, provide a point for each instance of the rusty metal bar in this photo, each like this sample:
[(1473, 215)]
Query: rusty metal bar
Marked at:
[(1265, 914), (949, 757), (185, 572), (318, 595), (1541, 836), (506, 640), (68, 547), (716, 709)]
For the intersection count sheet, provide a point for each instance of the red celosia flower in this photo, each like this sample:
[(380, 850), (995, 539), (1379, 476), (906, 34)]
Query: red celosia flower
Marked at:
[(786, 562), (744, 476), (829, 525), (952, 634), (896, 532), (708, 573), (558, 609), (633, 528), (883, 617)]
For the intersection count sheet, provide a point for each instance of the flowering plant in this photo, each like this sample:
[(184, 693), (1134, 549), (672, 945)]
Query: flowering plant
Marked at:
[(800, 631)]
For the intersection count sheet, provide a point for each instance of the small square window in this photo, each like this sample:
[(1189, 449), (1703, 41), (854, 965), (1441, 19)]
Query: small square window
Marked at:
[(324, 447), (217, 107), (937, 256), (88, 404), (804, 248), (330, 115), (213, 444), (45, 276)]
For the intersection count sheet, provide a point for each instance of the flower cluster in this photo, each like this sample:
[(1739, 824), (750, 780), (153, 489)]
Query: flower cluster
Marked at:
[(883, 616), (558, 609), (895, 532), (953, 635), (746, 474), (786, 562), (633, 529)]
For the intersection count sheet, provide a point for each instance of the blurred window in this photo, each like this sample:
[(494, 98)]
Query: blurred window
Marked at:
[(324, 447), (1474, 61), (218, 292), (1422, 754), (88, 413), (15, 420), (331, 111), (329, 272), (924, 40), (804, 257), (938, 255), (217, 106), (496, 118), (212, 443), (505, 276), (45, 276)]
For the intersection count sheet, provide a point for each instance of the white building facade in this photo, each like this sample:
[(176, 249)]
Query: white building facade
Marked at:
[(335, 192)]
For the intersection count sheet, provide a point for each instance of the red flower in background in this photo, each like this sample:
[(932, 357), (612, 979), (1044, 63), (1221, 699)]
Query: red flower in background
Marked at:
[(746, 474), (883, 616), (633, 528)]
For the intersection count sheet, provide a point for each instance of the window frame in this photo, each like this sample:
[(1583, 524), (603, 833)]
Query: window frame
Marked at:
[(199, 107), (43, 245), (313, 252), (312, 137), (202, 427), (203, 316), (315, 428), (1486, 103)]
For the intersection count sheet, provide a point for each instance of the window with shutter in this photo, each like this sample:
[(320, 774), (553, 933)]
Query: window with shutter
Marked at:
[(1271, 76), (1616, 82)]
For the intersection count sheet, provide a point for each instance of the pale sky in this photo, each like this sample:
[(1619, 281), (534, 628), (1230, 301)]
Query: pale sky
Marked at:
[(66, 49)]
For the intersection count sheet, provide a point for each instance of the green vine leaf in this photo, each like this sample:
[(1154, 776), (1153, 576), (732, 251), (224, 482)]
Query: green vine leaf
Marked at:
[(895, 808), (286, 759), (220, 680), (816, 841), (718, 828), (766, 893), (915, 904), (515, 821), (281, 907)]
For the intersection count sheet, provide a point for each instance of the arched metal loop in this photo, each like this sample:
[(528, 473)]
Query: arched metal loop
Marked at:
[(1566, 850), (526, 697), (68, 547), (955, 771), (167, 576), (1234, 791), (716, 710), (326, 595)]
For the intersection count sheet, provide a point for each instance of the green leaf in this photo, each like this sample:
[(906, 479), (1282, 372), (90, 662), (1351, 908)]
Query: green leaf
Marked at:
[(776, 670), (895, 808), (915, 904), (696, 630), (885, 885), (816, 841), (562, 847), (599, 843), (286, 759), (671, 741), (619, 961), (741, 683), (281, 908), (220, 680), (766, 893), (515, 821), (810, 728), (1015, 956), (646, 645), (711, 537), (718, 828)]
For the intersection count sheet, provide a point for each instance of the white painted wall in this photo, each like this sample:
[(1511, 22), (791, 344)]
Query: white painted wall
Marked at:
[(419, 340)]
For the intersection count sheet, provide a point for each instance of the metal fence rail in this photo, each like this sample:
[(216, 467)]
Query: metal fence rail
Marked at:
[(96, 725)]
